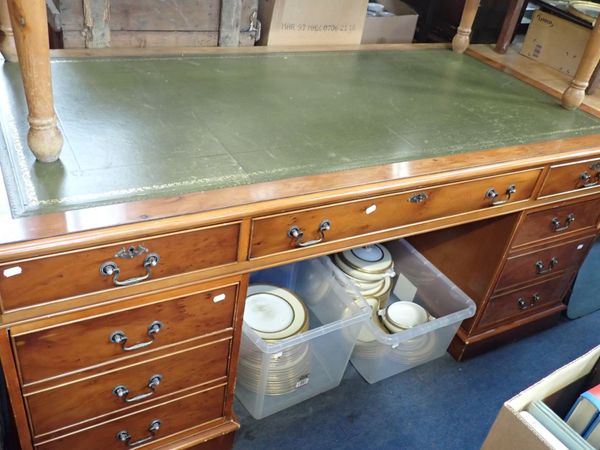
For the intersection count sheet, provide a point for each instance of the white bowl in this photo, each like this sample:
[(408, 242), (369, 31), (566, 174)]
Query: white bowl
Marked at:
[(400, 316)]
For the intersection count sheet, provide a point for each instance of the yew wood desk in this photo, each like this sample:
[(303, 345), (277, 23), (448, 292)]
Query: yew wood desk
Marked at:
[(129, 257)]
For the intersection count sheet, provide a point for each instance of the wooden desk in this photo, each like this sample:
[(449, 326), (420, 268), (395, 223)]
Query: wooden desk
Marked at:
[(382, 145)]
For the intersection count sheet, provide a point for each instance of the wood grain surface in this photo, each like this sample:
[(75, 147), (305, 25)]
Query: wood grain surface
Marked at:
[(74, 346)]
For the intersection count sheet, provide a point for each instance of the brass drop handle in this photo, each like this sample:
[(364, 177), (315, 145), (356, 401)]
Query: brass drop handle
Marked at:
[(586, 178), (558, 227), (122, 392), (523, 304), (541, 269), (492, 195), (119, 337), (296, 233), (125, 437), (111, 268)]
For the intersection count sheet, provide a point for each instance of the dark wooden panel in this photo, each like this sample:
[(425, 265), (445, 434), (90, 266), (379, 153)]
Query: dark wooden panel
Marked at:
[(556, 221), (568, 177), (64, 275), (174, 416), (522, 268), (64, 348), (66, 404), (524, 302), (269, 235)]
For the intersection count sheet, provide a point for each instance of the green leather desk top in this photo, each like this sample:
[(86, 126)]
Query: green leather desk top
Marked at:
[(144, 127)]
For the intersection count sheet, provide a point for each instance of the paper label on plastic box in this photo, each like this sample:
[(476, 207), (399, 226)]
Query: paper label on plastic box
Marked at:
[(302, 381), (404, 289)]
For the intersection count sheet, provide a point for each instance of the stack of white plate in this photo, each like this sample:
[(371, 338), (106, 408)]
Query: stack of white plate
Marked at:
[(371, 269), (274, 314)]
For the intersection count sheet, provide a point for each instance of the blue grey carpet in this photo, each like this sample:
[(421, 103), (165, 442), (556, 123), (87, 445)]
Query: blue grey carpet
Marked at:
[(441, 405)]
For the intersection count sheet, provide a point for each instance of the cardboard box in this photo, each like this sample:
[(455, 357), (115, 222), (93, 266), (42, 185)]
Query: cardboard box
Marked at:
[(312, 22), (393, 29), (559, 390), (555, 42)]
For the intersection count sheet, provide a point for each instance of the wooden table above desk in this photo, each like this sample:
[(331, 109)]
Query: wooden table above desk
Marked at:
[(383, 144)]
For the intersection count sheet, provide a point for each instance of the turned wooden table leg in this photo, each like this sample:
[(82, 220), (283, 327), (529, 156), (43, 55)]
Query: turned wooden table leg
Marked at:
[(575, 93), (463, 34), (7, 38), (30, 28)]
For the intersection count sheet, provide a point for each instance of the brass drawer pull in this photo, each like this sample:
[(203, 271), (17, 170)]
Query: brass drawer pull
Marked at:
[(119, 337), (492, 195), (586, 178), (557, 225), (541, 268), (523, 304), (122, 392), (296, 233), (125, 437), (110, 268)]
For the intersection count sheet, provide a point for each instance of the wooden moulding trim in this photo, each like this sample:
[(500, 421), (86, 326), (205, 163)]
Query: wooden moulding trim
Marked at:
[(115, 414), (56, 232), (17, 404), (256, 50), (125, 303), (235, 344), (214, 277), (509, 326), (190, 438), (117, 365), (527, 79), (138, 411)]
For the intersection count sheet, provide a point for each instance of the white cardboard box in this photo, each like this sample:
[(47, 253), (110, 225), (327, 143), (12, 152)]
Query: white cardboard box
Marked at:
[(510, 431), (312, 22), (392, 29), (555, 42)]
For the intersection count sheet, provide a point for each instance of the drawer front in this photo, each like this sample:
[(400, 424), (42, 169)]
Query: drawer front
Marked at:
[(175, 416), (524, 302), (34, 281), (273, 234), (580, 175), (558, 221), (74, 346), (535, 265), (65, 405)]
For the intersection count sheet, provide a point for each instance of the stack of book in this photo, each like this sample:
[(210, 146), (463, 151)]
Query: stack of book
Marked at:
[(584, 416), (580, 429)]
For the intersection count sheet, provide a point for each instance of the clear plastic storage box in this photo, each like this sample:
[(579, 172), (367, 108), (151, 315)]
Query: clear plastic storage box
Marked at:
[(275, 376), (377, 354)]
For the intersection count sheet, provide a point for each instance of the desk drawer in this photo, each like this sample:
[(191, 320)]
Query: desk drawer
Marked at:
[(572, 176), (174, 416), (65, 404), (524, 302), (273, 234), (39, 280), (558, 221), (74, 346), (538, 264)]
